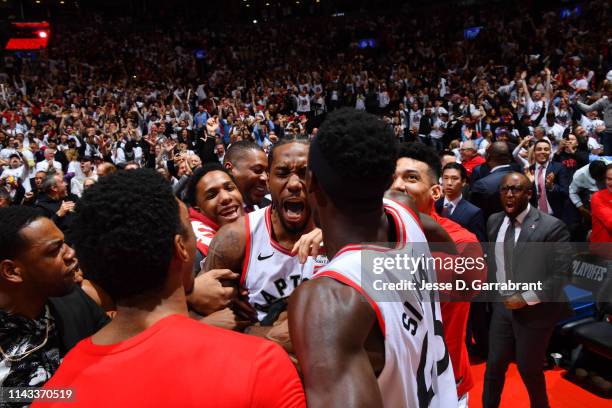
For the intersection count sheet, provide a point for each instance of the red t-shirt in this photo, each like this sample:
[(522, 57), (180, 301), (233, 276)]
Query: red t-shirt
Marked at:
[(179, 362), (455, 313), (601, 214)]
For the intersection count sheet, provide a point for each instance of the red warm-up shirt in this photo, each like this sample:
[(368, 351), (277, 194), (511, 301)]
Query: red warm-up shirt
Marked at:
[(455, 313), (601, 214), (179, 362)]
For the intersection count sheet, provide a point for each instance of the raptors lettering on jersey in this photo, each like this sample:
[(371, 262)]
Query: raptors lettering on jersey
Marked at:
[(270, 272)]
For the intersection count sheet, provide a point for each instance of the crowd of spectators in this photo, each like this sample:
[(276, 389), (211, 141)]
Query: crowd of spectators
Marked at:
[(119, 93)]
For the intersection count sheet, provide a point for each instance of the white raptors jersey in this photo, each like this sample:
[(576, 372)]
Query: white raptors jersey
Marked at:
[(417, 371), (269, 271)]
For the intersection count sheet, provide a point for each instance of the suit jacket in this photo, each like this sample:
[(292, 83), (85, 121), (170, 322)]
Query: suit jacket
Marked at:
[(485, 192), (480, 171), (557, 197), (542, 262), (483, 170), (49, 207), (468, 216)]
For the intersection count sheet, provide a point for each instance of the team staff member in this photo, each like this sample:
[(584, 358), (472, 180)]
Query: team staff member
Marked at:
[(531, 246), (416, 173), (43, 314), (146, 268)]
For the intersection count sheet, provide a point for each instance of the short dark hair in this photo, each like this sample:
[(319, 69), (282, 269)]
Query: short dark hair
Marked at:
[(597, 169), (357, 146), (124, 232), (423, 153), (541, 141), (13, 219), (192, 187), (288, 140), (456, 166), (237, 149)]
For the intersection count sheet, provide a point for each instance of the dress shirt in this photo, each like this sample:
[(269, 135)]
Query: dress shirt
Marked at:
[(454, 202), (530, 297)]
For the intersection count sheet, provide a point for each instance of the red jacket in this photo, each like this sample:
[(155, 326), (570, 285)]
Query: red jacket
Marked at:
[(473, 162), (601, 215), (455, 313)]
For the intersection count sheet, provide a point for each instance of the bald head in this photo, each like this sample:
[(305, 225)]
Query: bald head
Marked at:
[(514, 193), (498, 154), (520, 177)]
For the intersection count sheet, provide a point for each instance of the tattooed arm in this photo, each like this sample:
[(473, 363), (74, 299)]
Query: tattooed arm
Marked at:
[(217, 285), (227, 251), (227, 248)]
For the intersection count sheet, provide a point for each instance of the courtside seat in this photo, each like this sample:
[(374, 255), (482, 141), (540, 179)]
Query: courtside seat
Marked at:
[(597, 336)]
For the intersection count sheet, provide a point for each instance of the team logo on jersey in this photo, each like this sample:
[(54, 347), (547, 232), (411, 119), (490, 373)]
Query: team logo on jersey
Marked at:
[(321, 260), (263, 258)]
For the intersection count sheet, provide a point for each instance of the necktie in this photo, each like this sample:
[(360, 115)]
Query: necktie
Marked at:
[(446, 211), (542, 204), (509, 249)]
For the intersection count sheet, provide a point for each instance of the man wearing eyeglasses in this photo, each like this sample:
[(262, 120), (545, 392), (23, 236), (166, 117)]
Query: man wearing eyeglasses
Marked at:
[(528, 248)]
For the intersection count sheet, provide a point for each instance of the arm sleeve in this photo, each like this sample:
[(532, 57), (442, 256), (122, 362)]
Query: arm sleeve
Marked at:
[(275, 382), (561, 183), (518, 158), (573, 191), (558, 263), (590, 108), (477, 226), (602, 211)]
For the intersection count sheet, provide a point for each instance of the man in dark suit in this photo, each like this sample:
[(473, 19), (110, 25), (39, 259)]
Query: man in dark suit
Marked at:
[(485, 192), (455, 207), (550, 181), (530, 247)]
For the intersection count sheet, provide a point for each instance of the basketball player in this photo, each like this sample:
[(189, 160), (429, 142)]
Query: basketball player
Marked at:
[(352, 350), (259, 245), (214, 201)]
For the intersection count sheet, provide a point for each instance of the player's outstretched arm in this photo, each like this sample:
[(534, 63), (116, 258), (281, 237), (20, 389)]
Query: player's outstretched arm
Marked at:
[(329, 323)]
